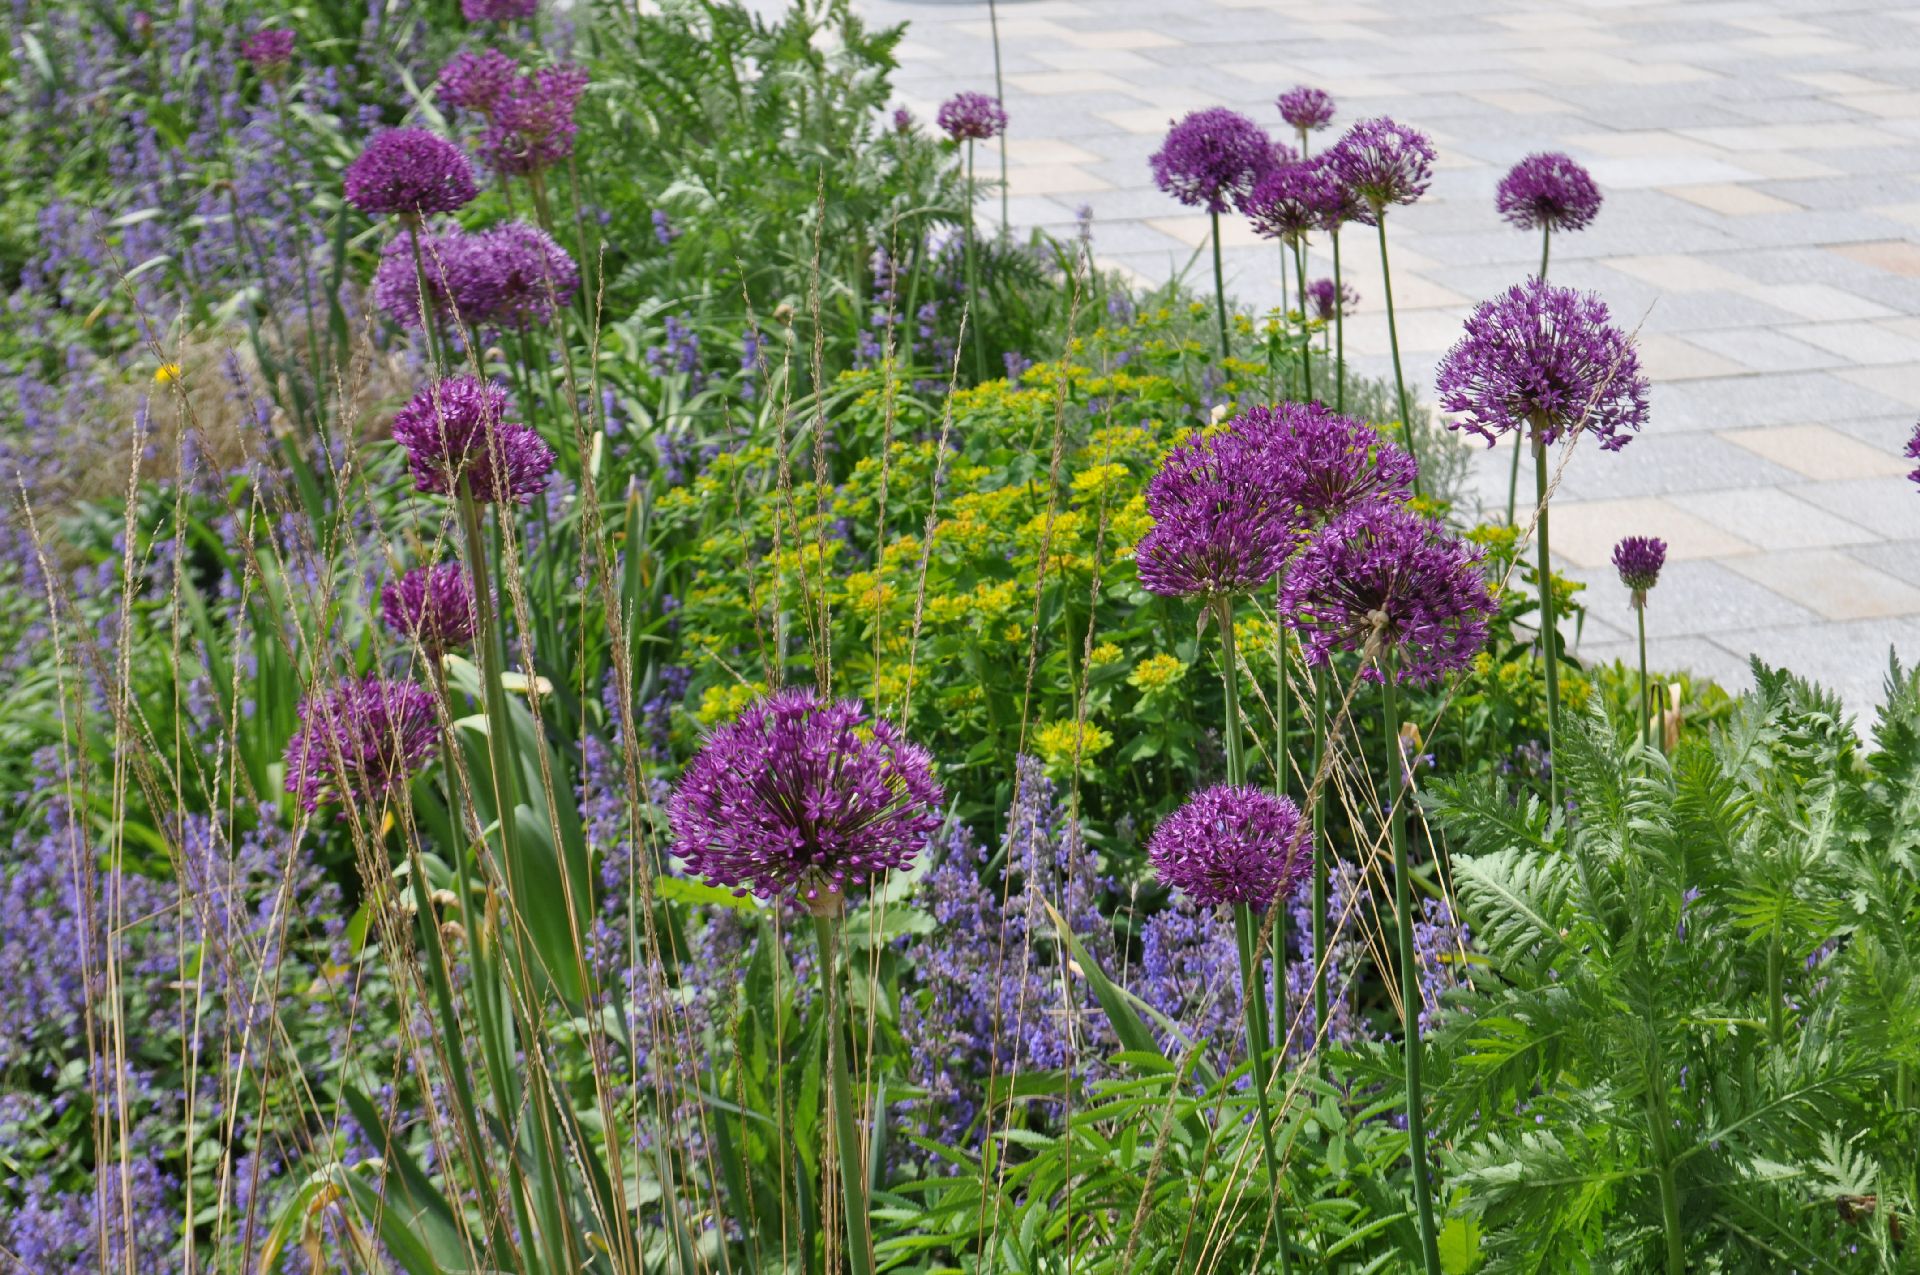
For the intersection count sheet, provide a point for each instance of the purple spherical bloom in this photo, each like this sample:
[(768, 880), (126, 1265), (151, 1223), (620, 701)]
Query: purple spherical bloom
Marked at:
[(477, 81), (1221, 522), (1550, 191), (398, 282), (1638, 559), (456, 429), (1913, 452), (1232, 845), (1384, 581), (1544, 358), (409, 172), (1292, 200), (1325, 301), (1383, 162), (362, 739), (432, 606), (516, 276), (1346, 204), (533, 126), (970, 117), (498, 10), (1323, 463), (268, 49), (802, 797), (1212, 158), (1307, 109)]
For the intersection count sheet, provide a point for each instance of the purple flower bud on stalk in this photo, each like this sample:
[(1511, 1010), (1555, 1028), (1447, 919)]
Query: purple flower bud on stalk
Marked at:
[(1544, 359), (968, 117), (1212, 158), (268, 49), (533, 126), (1326, 302), (1292, 200), (1638, 559), (476, 82), (1913, 452), (1222, 522), (1380, 578), (1324, 464), (409, 172), (1384, 162), (1306, 109), (456, 429), (498, 10), (804, 798), (902, 120), (1230, 845), (1549, 190), (432, 606), (362, 739)]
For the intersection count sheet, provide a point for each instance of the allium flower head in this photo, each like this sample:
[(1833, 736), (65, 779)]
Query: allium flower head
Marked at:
[(1324, 300), (1221, 522), (1292, 200), (1212, 158), (397, 282), (1381, 578), (1913, 452), (969, 117), (1232, 845), (1323, 463), (1638, 559), (1345, 202), (1383, 162), (268, 49), (1548, 190), (1306, 109), (432, 606), (1548, 359), (516, 276), (803, 797), (476, 81), (533, 126), (409, 172), (362, 739), (498, 10), (456, 429)]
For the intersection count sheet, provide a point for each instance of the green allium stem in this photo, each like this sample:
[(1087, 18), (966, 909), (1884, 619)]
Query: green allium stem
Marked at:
[(1549, 627), (853, 1174), (1000, 97), (1339, 333), (1306, 346), (1776, 1002), (1219, 286), (973, 279), (1646, 696), (1393, 339), (1246, 930), (429, 318), (1322, 864)]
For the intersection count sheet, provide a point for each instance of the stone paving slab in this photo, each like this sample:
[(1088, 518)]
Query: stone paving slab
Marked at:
[(1761, 165)]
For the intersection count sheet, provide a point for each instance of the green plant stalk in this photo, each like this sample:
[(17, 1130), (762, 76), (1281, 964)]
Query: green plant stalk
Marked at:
[(1657, 1121), (1549, 628), (429, 322), (973, 282), (1282, 693), (1339, 332), (853, 1182), (1393, 340), (1306, 347), (1000, 98), (1776, 1006), (1646, 696), (1219, 286), (1409, 979), (1322, 865)]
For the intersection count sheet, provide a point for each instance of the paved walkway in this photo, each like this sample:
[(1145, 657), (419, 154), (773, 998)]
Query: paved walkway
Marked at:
[(1760, 161)]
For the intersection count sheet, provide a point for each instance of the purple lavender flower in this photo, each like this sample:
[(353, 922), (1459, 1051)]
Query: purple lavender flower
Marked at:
[(432, 606), (1326, 301), (1323, 463), (1638, 559), (1222, 524), (498, 10), (664, 231), (1292, 200), (801, 795), (456, 429), (1544, 358), (532, 125), (1232, 845), (970, 117), (1548, 190), (1382, 577), (269, 49), (1306, 109), (1383, 162), (362, 739), (409, 172), (476, 81), (1212, 158), (1913, 452)]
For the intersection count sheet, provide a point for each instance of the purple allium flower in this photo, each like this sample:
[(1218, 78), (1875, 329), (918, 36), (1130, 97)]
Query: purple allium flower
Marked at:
[(1544, 358), (409, 172), (397, 283), (533, 125), (1549, 190), (1913, 452), (1291, 200), (1346, 204), (498, 10), (1323, 463), (362, 739), (1306, 109), (902, 120), (477, 81), (1325, 302), (1232, 845), (1638, 559), (432, 606), (1383, 162), (1221, 522), (268, 49), (516, 276), (800, 795), (1381, 576), (968, 117), (1212, 158), (456, 429)]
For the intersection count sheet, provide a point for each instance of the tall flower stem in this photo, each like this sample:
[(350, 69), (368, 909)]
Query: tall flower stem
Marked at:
[(999, 96), (1322, 863), (853, 1164), (1646, 698), (1397, 789), (1659, 1120), (1549, 626), (1306, 346), (429, 317), (973, 284), (1339, 332), (1393, 339), (1513, 476), (1219, 286)]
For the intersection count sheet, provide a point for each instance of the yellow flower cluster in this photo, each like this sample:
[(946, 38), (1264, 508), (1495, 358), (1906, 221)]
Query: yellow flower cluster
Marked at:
[(1059, 742), (720, 704), (1157, 674)]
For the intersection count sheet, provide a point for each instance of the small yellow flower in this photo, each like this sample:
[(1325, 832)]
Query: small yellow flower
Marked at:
[(1096, 483), (1104, 654), (1059, 743), (720, 704), (1157, 673), (166, 374)]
